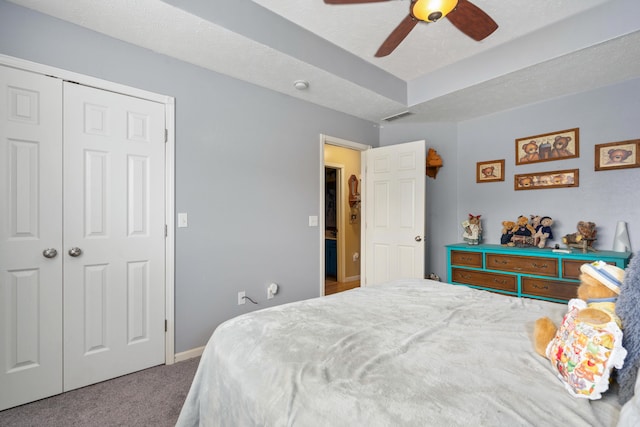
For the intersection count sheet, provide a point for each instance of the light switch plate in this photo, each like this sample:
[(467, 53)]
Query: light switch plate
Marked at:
[(313, 220), (183, 221)]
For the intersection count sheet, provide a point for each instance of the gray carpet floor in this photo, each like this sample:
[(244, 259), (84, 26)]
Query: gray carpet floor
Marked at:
[(152, 397)]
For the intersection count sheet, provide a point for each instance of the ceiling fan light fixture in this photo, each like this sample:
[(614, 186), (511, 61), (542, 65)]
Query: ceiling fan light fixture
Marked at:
[(432, 10)]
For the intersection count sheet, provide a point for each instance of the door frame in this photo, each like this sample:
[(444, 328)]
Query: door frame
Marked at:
[(169, 170), (339, 142), (340, 244)]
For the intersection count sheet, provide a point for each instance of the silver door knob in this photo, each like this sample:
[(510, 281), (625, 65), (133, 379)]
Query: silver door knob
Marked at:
[(418, 239), (49, 253), (74, 252)]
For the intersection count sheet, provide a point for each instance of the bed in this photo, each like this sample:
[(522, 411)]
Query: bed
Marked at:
[(405, 353)]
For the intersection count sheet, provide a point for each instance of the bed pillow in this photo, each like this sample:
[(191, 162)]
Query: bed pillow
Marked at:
[(583, 355)]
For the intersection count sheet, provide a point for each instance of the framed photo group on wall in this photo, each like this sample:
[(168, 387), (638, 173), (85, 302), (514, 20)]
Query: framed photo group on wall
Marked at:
[(546, 147), (543, 180), (617, 155), (560, 145)]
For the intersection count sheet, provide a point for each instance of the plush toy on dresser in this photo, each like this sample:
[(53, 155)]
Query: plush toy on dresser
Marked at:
[(522, 232), (472, 230), (507, 233), (588, 345), (543, 232), (584, 238)]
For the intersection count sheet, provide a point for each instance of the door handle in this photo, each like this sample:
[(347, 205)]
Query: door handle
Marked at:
[(49, 253), (75, 252), (418, 239)]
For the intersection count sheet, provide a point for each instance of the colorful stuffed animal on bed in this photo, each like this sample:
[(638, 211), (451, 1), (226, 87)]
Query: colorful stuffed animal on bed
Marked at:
[(543, 231), (588, 344)]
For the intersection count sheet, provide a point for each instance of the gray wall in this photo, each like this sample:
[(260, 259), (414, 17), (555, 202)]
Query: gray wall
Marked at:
[(247, 169), (603, 115)]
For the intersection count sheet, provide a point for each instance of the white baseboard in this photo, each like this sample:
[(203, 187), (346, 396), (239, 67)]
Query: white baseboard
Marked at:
[(189, 354)]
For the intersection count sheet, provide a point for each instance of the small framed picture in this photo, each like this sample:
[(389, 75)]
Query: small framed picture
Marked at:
[(559, 145), (618, 155), (490, 171), (543, 180)]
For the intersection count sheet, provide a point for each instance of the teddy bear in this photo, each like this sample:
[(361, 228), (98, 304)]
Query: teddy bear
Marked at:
[(534, 220), (507, 226), (588, 344), (560, 145), (543, 231), (531, 152), (472, 230), (618, 155), (584, 237), (525, 181), (522, 231)]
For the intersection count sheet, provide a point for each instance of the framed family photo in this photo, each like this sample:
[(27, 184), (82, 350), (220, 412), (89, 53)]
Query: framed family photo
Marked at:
[(618, 155), (559, 145), (490, 171), (544, 180)]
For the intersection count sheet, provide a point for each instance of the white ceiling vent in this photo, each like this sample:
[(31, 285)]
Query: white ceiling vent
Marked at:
[(397, 116)]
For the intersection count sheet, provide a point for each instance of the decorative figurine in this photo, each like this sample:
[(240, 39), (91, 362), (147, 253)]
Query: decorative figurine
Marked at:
[(543, 232), (584, 238), (472, 230), (522, 232)]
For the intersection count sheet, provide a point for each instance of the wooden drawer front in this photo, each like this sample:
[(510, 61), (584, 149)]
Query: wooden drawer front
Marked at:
[(549, 288), (523, 264), (469, 259), (571, 267), (504, 282)]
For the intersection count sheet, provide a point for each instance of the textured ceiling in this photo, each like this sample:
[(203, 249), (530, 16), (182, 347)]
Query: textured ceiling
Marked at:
[(542, 49)]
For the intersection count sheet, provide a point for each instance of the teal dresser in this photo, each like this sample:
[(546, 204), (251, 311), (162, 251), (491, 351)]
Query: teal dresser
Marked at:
[(523, 272)]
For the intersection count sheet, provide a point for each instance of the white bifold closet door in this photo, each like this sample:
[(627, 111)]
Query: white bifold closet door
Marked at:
[(83, 176)]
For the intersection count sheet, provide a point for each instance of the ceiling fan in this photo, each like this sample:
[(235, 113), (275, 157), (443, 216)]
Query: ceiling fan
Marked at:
[(464, 15)]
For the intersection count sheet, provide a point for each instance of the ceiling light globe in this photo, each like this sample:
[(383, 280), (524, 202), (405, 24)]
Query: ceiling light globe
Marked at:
[(432, 10), (301, 84)]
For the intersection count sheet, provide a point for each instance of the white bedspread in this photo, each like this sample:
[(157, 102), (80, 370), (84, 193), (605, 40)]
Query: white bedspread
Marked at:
[(408, 353)]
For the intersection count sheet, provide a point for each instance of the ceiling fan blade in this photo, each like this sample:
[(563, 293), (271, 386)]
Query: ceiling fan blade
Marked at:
[(471, 20), (352, 1), (396, 36)]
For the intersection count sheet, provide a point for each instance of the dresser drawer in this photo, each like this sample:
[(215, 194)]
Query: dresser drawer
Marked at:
[(539, 266), (505, 282), (468, 259), (571, 267), (557, 289)]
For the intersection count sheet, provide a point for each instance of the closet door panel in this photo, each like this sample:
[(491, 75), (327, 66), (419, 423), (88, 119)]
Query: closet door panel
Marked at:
[(30, 237), (114, 286)]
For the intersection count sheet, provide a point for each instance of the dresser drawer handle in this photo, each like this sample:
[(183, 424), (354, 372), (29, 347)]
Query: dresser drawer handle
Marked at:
[(501, 281), (541, 266), (465, 276), (466, 258), (539, 287)]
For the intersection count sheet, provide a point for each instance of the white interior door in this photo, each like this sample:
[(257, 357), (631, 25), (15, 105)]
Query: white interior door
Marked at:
[(394, 212), (30, 222), (114, 214)]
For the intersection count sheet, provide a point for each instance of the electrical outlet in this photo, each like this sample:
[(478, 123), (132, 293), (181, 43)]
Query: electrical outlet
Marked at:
[(241, 299), (272, 289)]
